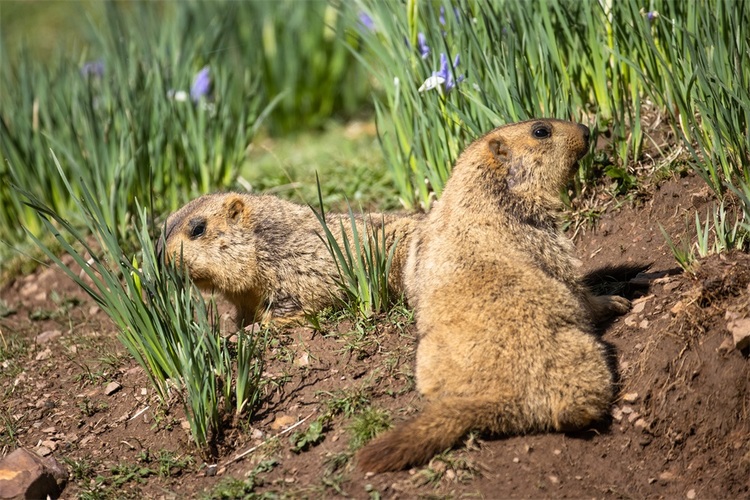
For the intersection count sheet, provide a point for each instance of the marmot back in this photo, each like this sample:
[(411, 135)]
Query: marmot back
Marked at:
[(505, 325), (265, 254)]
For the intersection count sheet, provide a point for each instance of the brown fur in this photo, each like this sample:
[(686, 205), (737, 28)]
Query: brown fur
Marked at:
[(265, 254), (505, 323)]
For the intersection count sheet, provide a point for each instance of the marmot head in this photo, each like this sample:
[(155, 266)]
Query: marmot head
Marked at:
[(533, 159), (209, 236)]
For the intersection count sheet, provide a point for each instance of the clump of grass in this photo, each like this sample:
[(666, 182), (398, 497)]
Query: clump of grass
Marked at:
[(163, 320), (366, 425), (363, 260)]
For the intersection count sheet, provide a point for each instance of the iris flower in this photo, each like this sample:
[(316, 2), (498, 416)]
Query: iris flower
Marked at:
[(443, 78), (201, 86), (424, 49)]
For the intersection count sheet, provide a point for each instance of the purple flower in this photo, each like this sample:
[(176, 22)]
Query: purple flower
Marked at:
[(456, 13), (366, 21), (652, 15), (444, 76), (93, 68), (424, 49), (201, 86)]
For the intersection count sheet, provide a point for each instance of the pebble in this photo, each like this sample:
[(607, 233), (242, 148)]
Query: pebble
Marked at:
[(666, 476), (643, 324), (740, 330), (617, 413), (677, 308), (627, 410), (43, 451), (47, 336), (282, 421), (641, 424), (47, 443), (29, 290), (554, 479), (557, 452), (630, 397), (44, 355), (112, 388), (516, 460), (690, 494), (638, 307)]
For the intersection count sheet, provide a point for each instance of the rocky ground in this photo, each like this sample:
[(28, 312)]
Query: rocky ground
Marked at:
[(680, 427)]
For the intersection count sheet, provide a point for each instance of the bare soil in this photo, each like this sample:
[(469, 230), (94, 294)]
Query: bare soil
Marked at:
[(680, 428)]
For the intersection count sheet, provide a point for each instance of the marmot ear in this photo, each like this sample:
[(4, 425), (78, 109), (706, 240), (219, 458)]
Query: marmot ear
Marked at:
[(499, 150), (235, 207)]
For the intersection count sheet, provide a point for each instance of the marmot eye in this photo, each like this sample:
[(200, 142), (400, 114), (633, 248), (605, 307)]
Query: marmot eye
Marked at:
[(198, 229), (542, 132)]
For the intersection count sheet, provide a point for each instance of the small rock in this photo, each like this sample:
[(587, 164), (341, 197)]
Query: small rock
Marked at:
[(630, 397), (638, 307), (112, 388), (185, 425), (144, 391), (211, 470), (690, 494), (666, 476), (554, 479), (557, 452), (303, 360), (257, 434), (726, 346), (643, 324), (23, 474), (134, 371), (52, 445), (44, 355), (29, 289), (47, 336), (43, 451), (641, 424), (450, 474), (93, 310), (516, 460), (527, 448), (282, 421), (651, 480), (578, 477), (631, 320), (627, 410), (740, 329), (677, 308), (617, 413)]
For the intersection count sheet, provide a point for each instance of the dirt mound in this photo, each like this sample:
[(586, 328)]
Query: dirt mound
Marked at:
[(680, 427)]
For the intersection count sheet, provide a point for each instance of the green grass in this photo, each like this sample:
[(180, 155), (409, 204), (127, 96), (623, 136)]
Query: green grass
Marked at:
[(163, 320), (348, 159)]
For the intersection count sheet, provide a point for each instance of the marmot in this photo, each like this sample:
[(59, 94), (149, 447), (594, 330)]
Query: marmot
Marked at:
[(265, 255), (506, 342)]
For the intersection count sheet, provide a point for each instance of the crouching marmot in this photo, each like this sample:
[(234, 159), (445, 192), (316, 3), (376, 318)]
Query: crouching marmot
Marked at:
[(505, 324), (265, 254)]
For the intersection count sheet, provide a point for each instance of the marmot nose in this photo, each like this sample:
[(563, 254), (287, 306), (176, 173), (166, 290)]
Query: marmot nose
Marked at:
[(585, 131)]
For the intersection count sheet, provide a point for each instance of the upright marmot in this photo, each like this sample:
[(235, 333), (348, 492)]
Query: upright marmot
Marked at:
[(505, 324), (265, 254)]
